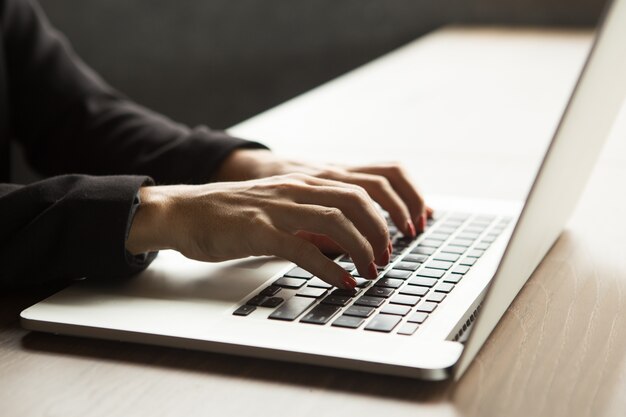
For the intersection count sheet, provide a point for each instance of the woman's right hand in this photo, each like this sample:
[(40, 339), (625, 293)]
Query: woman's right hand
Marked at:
[(270, 216)]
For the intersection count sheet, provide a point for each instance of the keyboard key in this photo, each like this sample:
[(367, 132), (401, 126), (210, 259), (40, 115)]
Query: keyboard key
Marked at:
[(292, 308), (397, 273), (257, 300), (468, 261), (408, 329), (449, 257), (418, 317), (288, 282), (490, 238), (350, 322), (407, 300), (389, 283), (348, 266), (444, 287), (413, 257), (458, 217), (320, 314), (362, 282), (430, 243), (271, 290), (423, 281), (311, 292), (338, 300), (272, 302), (383, 323), (476, 253), (445, 265), (359, 311), (414, 290), (369, 301), (474, 229), (462, 242), (407, 266), (460, 269), (436, 297), (427, 307), (452, 278), (244, 310), (396, 310), (379, 292), (318, 283), (347, 293), (298, 272), (482, 246), (431, 273), (454, 249), (439, 236), (421, 250), (447, 229), (468, 235)]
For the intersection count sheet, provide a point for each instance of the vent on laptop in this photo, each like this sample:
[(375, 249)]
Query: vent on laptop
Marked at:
[(463, 331)]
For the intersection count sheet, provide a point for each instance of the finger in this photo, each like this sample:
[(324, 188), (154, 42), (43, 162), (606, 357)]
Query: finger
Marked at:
[(306, 255), (330, 222), (399, 180), (357, 206), (323, 243), (380, 189)]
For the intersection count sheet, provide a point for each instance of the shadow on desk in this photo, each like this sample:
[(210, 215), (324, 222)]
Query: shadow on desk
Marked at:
[(312, 377)]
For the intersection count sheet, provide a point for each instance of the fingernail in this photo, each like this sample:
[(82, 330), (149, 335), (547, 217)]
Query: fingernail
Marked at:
[(389, 247), (373, 272), (411, 228), (349, 283), (423, 222)]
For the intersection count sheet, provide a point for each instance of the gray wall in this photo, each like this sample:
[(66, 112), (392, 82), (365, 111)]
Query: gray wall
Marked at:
[(221, 61), (218, 62)]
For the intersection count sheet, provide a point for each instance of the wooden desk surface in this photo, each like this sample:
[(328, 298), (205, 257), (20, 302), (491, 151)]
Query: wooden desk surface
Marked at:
[(476, 108)]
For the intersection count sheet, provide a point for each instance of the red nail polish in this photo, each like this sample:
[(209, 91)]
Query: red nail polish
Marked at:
[(348, 282), (423, 222), (411, 228), (373, 272), (390, 247)]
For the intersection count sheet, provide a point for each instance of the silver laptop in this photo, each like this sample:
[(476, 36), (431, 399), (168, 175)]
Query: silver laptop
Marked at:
[(429, 311)]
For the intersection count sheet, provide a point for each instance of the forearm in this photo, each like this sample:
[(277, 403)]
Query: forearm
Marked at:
[(67, 227)]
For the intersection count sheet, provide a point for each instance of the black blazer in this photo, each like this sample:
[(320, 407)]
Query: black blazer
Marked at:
[(97, 148)]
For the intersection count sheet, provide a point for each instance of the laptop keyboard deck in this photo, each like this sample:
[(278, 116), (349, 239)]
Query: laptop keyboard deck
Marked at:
[(420, 275)]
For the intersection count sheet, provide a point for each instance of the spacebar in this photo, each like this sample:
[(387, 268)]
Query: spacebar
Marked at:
[(292, 308)]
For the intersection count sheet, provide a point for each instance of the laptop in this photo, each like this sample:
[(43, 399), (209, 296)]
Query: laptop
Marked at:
[(426, 315)]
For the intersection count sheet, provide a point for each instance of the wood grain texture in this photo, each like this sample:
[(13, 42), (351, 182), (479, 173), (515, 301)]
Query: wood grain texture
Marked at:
[(559, 350)]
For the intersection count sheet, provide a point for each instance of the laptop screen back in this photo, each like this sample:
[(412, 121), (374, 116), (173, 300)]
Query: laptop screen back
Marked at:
[(584, 127)]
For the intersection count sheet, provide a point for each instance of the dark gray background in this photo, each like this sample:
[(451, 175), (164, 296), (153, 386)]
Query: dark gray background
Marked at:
[(218, 62)]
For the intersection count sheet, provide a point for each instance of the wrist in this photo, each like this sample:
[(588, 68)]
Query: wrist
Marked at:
[(248, 164), (149, 230)]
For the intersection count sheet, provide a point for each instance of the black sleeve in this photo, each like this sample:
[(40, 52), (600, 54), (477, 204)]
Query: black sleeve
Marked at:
[(70, 121), (67, 227)]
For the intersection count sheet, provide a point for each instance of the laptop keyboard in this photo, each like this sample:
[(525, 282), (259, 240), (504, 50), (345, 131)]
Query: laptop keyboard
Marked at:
[(420, 275)]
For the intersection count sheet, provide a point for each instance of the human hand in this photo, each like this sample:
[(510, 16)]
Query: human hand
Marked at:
[(221, 221), (388, 184)]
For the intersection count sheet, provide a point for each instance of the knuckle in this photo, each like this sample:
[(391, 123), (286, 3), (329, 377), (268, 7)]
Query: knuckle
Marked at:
[(381, 182), (333, 214)]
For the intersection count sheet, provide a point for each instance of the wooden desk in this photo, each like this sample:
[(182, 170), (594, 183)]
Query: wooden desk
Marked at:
[(475, 107)]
